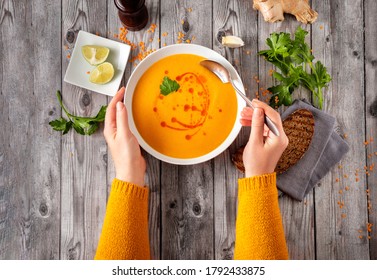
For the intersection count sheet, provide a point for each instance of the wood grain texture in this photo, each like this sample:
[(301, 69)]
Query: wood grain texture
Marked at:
[(337, 235), (53, 188), (298, 218), (29, 150), (187, 191), (153, 165), (232, 18), (113, 25), (370, 36), (153, 180), (83, 194)]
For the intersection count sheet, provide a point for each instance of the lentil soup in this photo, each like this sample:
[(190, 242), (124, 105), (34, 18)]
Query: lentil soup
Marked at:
[(187, 123)]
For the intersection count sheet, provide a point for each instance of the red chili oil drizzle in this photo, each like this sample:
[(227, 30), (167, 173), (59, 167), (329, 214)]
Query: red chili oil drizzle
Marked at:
[(189, 77)]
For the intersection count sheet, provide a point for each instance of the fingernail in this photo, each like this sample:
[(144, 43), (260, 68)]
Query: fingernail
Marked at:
[(258, 112), (119, 106)]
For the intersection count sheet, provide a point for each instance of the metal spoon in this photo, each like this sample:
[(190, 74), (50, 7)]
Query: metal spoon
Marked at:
[(223, 74)]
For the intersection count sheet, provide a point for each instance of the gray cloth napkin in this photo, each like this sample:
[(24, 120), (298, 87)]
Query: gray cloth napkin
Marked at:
[(326, 149)]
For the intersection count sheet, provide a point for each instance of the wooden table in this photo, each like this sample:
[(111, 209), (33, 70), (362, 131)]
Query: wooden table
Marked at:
[(53, 188)]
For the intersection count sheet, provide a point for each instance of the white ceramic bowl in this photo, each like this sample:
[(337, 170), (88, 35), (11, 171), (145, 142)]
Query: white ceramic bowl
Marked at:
[(168, 51)]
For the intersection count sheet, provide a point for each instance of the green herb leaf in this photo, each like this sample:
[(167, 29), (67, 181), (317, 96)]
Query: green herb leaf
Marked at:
[(93, 128), (82, 125), (168, 86), (78, 128), (68, 127), (300, 51), (61, 125), (101, 114), (279, 44), (281, 95), (323, 77)]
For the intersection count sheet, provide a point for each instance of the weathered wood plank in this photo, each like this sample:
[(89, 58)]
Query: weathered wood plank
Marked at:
[(338, 42), (187, 191), (232, 18), (197, 213), (371, 118), (113, 25), (30, 150), (298, 218), (153, 165), (153, 180), (83, 167)]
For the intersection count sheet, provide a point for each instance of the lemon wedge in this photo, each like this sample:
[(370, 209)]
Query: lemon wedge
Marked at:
[(102, 74), (95, 54)]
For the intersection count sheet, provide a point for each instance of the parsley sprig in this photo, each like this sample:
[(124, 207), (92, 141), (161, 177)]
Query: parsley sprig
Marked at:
[(82, 125), (168, 86), (292, 57)]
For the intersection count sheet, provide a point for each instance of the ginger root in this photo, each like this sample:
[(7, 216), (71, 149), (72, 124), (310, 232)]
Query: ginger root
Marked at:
[(273, 10)]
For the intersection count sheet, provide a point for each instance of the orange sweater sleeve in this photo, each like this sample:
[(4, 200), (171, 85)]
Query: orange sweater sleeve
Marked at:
[(125, 228), (259, 227)]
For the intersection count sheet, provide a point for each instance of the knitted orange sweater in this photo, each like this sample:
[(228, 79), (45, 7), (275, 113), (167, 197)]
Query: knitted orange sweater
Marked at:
[(259, 228)]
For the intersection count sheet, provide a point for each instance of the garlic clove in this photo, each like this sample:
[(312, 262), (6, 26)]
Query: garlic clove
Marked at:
[(232, 42)]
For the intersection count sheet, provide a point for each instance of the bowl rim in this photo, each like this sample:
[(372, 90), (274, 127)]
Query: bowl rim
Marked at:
[(182, 49)]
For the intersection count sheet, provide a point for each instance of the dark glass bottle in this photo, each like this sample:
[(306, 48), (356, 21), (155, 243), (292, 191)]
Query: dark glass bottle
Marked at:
[(132, 13)]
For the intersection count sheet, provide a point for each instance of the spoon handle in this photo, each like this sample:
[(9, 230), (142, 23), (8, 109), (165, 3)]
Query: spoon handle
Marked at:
[(270, 124)]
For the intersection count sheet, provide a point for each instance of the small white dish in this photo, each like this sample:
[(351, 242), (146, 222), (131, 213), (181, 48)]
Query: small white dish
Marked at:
[(182, 49), (78, 67)]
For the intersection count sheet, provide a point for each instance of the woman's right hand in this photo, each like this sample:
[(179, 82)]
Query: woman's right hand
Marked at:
[(264, 148)]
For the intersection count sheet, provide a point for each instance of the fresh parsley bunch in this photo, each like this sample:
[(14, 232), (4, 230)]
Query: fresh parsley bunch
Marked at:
[(292, 57), (82, 125)]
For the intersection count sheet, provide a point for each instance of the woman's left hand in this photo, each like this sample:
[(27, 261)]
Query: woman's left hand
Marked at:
[(125, 150)]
